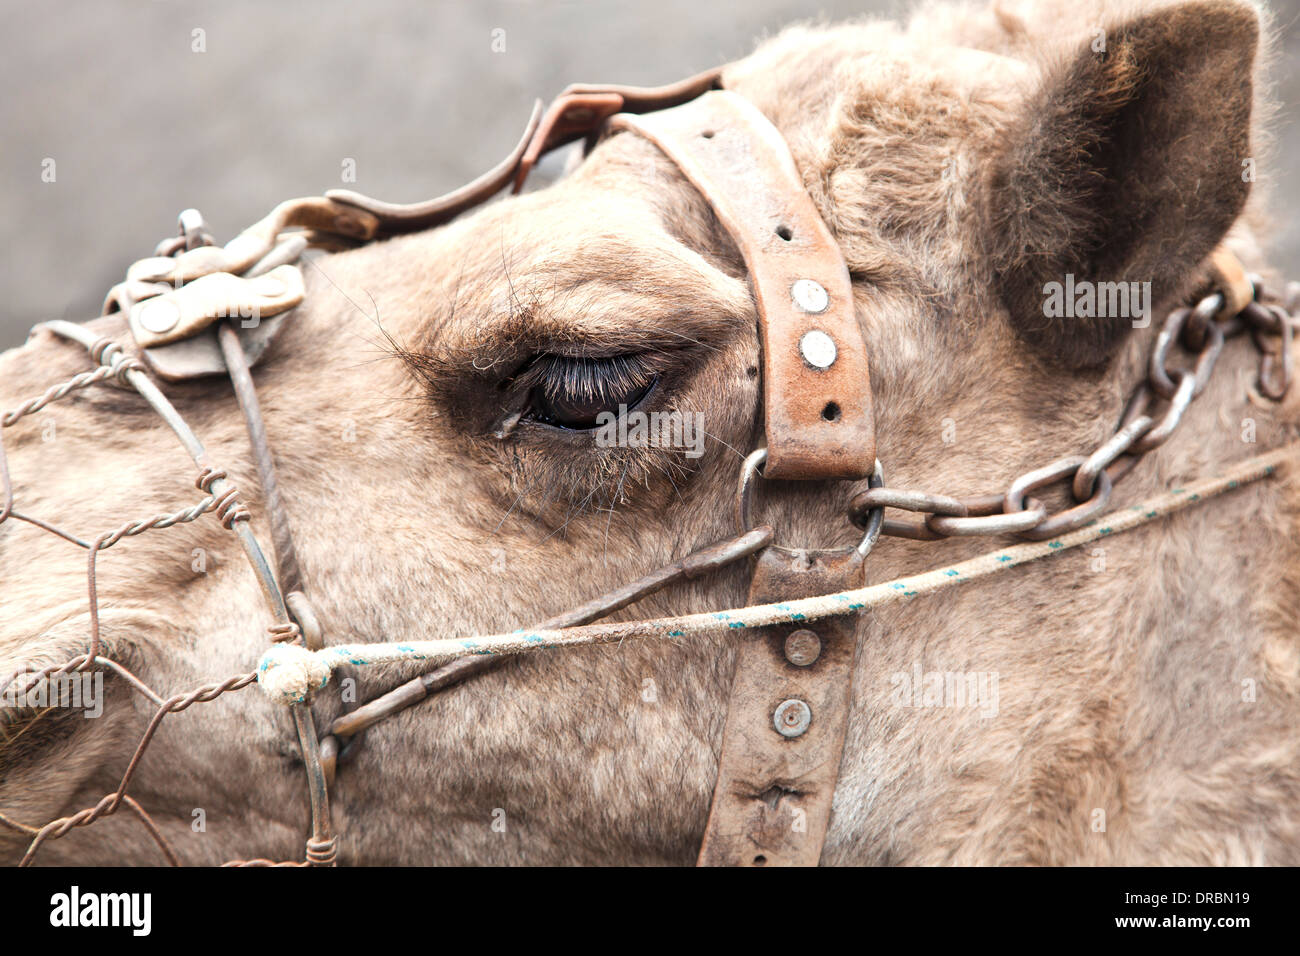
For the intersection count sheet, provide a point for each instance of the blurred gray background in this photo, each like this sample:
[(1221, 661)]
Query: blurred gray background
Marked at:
[(140, 126)]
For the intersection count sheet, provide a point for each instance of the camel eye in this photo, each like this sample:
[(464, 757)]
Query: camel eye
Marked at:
[(570, 392)]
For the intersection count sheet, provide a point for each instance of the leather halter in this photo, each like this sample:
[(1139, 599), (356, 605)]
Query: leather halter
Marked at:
[(789, 704), (816, 386), (788, 710)]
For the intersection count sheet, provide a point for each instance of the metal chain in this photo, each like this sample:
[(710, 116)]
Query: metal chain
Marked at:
[(1091, 478)]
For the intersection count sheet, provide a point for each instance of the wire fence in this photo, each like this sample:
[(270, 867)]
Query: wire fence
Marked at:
[(221, 500)]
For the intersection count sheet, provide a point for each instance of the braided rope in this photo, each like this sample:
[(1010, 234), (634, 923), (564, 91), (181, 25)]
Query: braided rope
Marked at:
[(284, 672)]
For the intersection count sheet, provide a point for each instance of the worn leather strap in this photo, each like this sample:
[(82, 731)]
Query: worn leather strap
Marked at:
[(1228, 275), (772, 800), (790, 694), (577, 112), (816, 386), (583, 108)]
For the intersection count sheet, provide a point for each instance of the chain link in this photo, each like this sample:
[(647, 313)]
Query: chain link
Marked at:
[(1090, 478)]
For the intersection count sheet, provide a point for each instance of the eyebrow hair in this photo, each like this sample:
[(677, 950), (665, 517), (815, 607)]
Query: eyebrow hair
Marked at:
[(599, 295)]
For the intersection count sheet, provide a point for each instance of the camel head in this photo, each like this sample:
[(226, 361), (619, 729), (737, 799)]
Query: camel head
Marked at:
[(434, 409)]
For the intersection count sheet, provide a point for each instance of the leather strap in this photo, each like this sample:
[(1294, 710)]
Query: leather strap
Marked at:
[(816, 385), (579, 111), (786, 720), (1228, 275), (397, 218), (583, 108)]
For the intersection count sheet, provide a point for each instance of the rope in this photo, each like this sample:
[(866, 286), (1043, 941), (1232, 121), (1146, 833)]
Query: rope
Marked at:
[(288, 672)]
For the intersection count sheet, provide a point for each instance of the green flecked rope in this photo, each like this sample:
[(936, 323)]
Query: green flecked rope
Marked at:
[(287, 672)]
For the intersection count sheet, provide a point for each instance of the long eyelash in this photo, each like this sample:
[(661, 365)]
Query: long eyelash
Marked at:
[(586, 379)]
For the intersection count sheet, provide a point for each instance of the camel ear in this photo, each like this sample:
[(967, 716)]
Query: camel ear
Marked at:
[(1127, 166)]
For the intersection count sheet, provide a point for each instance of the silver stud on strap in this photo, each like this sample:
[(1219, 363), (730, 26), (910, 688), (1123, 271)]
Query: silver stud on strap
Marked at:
[(810, 296), (792, 718), (818, 349), (803, 647)]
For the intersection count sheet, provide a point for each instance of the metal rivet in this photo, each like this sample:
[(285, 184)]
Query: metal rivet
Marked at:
[(818, 349), (810, 296), (802, 648), (792, 718), (159, 315)]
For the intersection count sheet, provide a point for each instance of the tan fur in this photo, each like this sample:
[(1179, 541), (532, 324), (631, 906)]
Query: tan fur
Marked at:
[(1120, 689)]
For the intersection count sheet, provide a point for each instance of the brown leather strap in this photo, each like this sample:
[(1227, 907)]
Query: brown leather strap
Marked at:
[(786, 720), (583, 108), (579, 111), (1228, 275), (396, 218), (816, 386)]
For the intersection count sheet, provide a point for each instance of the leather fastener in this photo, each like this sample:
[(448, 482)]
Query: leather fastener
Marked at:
[(1229, 276), (786, 720), (817, 407), (184, 312)]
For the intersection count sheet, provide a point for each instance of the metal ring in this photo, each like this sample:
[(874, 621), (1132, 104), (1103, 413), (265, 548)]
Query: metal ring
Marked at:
[(1067, 520), (1169, 334), (1259, 316), (1177, 406), (1137, 405), (744, 491), (1076, 517), (1203, 315), (193, 229), (1208, 357), (917, 501), (1034, 514), (875, 522), (916, 531), (1085, 479), (1014, 500), (975, 506), (1208, 335), (1209, 308), (745, 494), (170, 246)]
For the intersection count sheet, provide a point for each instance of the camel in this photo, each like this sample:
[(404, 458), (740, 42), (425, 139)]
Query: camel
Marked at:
[(1139, 700)]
